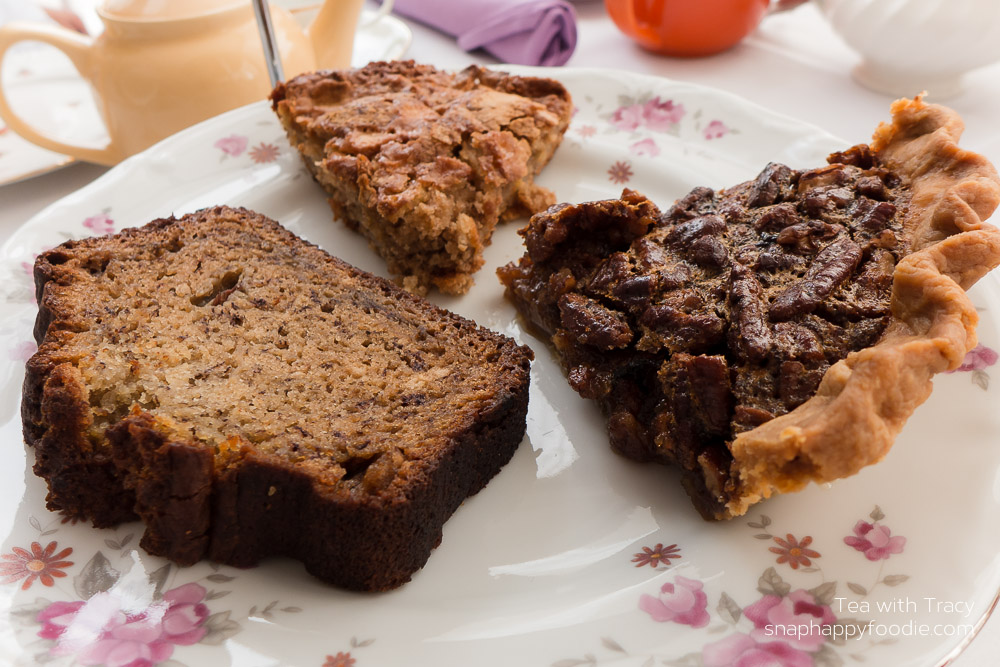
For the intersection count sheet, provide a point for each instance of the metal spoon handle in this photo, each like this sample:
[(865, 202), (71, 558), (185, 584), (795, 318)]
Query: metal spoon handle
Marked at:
[(267, 38)]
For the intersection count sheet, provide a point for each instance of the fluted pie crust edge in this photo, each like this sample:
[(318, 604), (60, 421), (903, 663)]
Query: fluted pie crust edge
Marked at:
[(864, 400)]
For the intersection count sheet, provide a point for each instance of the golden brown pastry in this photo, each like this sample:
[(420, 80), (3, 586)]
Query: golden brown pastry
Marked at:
[(425, 163)]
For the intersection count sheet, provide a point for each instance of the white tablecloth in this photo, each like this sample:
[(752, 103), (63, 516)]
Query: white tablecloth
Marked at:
[(793, 64)]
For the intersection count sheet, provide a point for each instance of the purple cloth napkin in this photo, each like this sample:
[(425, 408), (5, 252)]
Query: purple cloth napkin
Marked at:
[(523, 32)]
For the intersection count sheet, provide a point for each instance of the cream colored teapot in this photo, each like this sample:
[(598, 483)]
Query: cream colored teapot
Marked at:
[(163, 65)]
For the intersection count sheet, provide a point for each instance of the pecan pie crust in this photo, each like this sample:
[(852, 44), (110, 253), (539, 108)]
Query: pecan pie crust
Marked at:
[(777, 332), (864, 400)]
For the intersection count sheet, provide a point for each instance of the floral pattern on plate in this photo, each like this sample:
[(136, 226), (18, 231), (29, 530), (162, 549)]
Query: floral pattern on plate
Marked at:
[(235, 145), (34, 563), (347, 658), (784, 626), (976, 361), (119, 613), (647, 119), (656, 556)]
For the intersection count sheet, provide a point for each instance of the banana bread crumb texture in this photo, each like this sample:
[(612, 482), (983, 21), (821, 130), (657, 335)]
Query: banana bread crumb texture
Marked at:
[(246, 395)]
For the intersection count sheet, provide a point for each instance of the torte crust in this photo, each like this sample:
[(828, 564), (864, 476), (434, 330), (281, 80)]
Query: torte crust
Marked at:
[(864, 400), (425, 163)]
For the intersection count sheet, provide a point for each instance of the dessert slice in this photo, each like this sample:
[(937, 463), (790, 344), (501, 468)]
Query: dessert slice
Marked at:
[(425, 163), (246, 394), (777, 332)]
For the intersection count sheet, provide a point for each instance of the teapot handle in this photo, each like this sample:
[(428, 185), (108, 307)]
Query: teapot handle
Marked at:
[(78, 49)]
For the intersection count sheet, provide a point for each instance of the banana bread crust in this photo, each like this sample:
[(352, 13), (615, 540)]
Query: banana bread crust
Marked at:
[(361, 508)]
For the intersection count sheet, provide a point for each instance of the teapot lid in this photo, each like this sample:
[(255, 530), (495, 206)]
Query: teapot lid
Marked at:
[(159, 10)]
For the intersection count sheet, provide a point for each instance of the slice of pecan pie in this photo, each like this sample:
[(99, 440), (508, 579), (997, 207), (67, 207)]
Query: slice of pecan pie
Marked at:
[(777, 332)]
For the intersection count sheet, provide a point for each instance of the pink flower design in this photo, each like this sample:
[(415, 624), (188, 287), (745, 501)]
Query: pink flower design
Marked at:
[(716, 129), (645, 147), (795, 619), (101, 632), (182, 622), (739, 650), (232, 145), (682, 601), (978, 358), (586, 130), (875, 541), (627, 118), (56, 617), (662, 116), (100, 224), (656, 114)]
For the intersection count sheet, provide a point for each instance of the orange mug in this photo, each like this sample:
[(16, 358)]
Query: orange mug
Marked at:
[(687, 27)]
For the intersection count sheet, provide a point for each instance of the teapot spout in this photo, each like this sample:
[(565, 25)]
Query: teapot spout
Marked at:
[(332, 33)]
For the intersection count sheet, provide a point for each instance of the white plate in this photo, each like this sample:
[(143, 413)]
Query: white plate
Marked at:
[(541, 567), (44, 86)]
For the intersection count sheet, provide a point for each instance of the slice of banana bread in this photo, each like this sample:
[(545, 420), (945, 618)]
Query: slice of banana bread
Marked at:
[(246, 394), (425, 163)]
